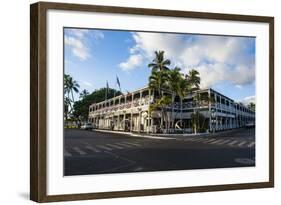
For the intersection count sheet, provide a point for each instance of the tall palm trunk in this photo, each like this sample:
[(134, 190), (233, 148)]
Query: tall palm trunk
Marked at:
[(162, 110), (195, 120), (181, 112), (173, 110)]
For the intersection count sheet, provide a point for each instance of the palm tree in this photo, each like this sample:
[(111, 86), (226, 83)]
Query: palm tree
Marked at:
[(159, 76), (182, 91), (193, 79), (252, 106), (70, 86), (173, 83), (158, 81), (159, 63), (83, 94), (200, 100)]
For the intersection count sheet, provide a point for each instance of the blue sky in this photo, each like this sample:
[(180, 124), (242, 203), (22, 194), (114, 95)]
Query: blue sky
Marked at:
[(225, 63)]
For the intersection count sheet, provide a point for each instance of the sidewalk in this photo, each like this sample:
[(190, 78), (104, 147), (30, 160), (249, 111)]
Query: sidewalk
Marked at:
[(154, 136)]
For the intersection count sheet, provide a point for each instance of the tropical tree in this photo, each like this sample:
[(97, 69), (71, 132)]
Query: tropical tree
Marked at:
[(158, 82), (67, 104), (158, 78), (252, 106), (159, 63), (161, 103), (193, 79), (174, 78), (183, 90), (70, 86), (198, 120), (83, 94), (81, 107)]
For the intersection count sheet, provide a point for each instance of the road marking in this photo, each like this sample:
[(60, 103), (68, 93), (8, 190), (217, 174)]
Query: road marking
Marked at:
[(122, 144), (93, 149), (104, 147), (242, 143), (130, 143), (114, 146), (232, 143), (67, 154), (211, 140), (81, 152), (223, 142), (201, 140), (251, 144), (217, 141), (197, 139)]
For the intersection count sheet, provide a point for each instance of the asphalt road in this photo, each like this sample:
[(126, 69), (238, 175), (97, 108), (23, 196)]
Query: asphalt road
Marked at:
[(93, 152)]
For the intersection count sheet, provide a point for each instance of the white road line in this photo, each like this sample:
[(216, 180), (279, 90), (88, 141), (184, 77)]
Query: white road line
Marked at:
[(217, 141), (77, 149), (93, 149), (67, 154), (242, 143), (104, 147), (114, 146), (197, 139), (201, 140), (130, 143), (251, 144), (232, 143), (211, 140), (126, 145), (223, 142)]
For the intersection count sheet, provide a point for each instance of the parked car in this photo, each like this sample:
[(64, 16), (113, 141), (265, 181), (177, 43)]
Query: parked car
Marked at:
[(87, 126)]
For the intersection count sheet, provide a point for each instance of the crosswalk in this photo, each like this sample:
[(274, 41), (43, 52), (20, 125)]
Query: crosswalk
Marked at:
[(238, 143), (91, 149)]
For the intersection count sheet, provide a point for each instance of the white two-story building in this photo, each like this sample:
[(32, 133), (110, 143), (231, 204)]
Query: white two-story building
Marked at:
[(130, 112)]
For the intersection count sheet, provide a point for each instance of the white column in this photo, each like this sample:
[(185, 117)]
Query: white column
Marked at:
[(139, 124), (118, 122), (131, 121)]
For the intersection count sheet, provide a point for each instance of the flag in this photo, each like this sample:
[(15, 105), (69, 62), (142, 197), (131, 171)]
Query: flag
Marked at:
[(118, 83)]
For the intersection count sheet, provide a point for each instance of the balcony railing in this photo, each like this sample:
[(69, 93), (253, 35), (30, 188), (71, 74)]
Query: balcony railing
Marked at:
[(122, 106)]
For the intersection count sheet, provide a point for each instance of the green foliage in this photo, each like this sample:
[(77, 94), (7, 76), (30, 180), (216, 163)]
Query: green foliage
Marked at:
[(193, 79), (198, 122), (252, 106), (158, 80), (160, 103), (69, 86), (81, 107), (159, 63)]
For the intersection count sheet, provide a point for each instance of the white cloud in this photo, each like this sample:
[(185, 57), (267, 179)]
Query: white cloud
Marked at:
[(97, 34), (87, 83), (77, 47), (132, 62), (217, 58), (80, 39), (248, 100), (79, 33)]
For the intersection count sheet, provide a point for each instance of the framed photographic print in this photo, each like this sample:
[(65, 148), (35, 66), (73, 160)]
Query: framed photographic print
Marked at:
[(134, 102)]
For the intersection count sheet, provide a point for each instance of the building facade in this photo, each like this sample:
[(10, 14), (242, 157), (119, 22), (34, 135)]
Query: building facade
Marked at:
[(130, 112)]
